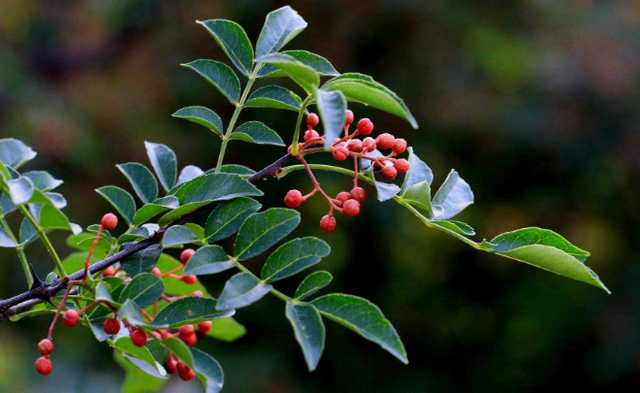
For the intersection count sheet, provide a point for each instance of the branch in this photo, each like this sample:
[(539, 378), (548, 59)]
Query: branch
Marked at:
[(44, 291)]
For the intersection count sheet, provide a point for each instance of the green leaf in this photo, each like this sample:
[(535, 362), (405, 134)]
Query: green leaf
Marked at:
[(273, 96), (384, 190), (14, 153), (177, 235), (453, 196), (418, 171), (6, 240), (6, 205), (144, 289), (332, 107), (21, 190), (154, 208), (309, 331), (364, 89), (206, 189), (226, 329), (456, 226), (303, 75), (233, 40), (317, 62), (203, 116), (52, 218), (189, 310), (179, 349), (56, 199), (136, 380), (256, 132), (83, 241), (125, 345), (241, 290), (364, 318), (42, 180), (227, 217), (280, 27), (164, 163), (419, 195), (208, 371), (143, 261), (209, 260), (529, 236), (28, 233), (220, 75), (143, 232), (262, 230), (121, 200), (189, 172), (239, 170), (103, 294), (142, 181), (175, 287), (312, 284), (293, 257)]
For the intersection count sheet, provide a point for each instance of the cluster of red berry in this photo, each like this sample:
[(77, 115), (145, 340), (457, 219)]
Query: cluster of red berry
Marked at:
[(348, 203)]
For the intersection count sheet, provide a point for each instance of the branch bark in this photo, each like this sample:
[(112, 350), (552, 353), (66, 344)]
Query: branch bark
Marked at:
[(44, 291)]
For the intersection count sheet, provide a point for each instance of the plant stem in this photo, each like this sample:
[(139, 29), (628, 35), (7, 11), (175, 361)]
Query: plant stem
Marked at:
[(45, 240), (273, 291), (234, 118), (296, 134), (19, 251)]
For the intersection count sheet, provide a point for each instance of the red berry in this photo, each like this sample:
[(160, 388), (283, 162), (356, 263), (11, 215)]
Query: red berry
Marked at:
[(188, 376), (351, 208), (293, 198), (43, 366), (328, 223), (109, 272), (312, 120), (189, 279), (369, 144), (197, 293), (186, 330), (139, 338), (111, 326), (205, 326), (45, 347), (310, 134), (365, 126), (190, 340), (399, 146), (109, 221), (186, 255), (389, 172), (401, 165), (156, 272), (171, 366), (355, 145), (71, 318), (359, 194), (182, 367), (340, 153), (349, 118), (342, 198), (385, 141)]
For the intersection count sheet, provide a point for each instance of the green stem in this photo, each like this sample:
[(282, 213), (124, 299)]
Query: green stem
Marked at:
[(19, 250), (273, 291), (45, 240), (296, 134), (234, 118)]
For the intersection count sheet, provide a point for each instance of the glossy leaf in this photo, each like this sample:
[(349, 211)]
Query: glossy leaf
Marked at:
[(6, 240), (317, 62), (144, 289), (241, 290), (14, 153), (124, 344), (456, 226), (203, 116), (418, 171), (189, 172), (121, 200), (262, 230), (21, 190), (227, 217), (177, 235), (384, 190), (209, 260), (312, 284), (52, 218), (234, 41), (419, 195), (529, 236), (364, 89), (364, 318), (275, 97), (136, 380), (256, 132), (309, 331), (220, 75), (164, 163), (331, 107), (208, 371), (42, 180), (141, 179), (83, 241), (280, 27), (56, 199), (303, 75), (453, 196), (189, 310), (143, 261), (154, 208), (293, 257), (239, 170)]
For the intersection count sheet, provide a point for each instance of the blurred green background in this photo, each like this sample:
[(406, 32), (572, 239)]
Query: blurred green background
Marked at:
[(534, 102)]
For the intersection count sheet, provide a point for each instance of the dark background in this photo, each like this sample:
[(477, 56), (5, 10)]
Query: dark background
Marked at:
[(534, 102)]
